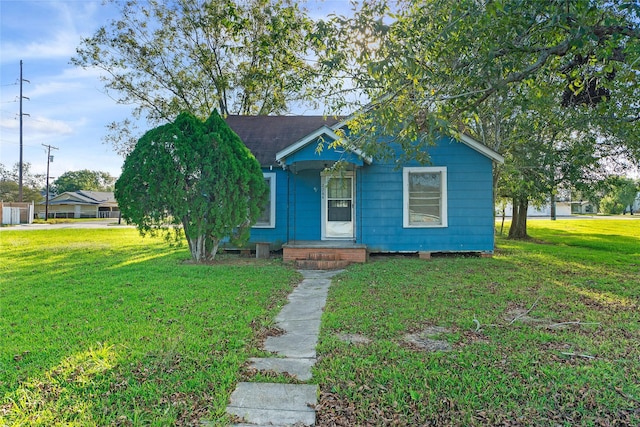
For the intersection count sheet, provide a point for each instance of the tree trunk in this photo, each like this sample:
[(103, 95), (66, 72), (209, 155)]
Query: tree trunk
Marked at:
[(197, 247), (553, 206), (518, 228), (203, 249)]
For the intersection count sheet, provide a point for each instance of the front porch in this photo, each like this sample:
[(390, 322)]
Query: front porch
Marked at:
[(324, 254)]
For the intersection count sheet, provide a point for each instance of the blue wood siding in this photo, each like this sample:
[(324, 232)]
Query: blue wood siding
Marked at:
[(470, 205), (278, 235), (306, 202), (310, 153), (379, 204), (298, 204)]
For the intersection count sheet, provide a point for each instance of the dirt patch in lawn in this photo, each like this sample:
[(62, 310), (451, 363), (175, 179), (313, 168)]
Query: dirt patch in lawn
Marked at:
[(521, 315), (425, 339), (354, 338)]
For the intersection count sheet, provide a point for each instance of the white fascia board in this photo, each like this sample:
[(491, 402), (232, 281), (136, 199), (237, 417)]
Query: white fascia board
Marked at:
[(481, 148), (324, 130)]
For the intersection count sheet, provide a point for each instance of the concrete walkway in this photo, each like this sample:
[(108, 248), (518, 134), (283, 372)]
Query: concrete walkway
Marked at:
[(267, 404)]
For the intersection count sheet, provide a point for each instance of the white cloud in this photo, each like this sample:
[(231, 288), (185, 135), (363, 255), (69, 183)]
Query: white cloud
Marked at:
[(49, 127), (62, 44)]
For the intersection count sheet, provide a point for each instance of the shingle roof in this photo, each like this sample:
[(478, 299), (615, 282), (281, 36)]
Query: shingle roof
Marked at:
[(98, 196), (267, 135), (83, 197)]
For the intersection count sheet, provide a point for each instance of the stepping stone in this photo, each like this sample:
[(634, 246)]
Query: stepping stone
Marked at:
[(270, 404), (294, 345), (299, 368), (275, 404)]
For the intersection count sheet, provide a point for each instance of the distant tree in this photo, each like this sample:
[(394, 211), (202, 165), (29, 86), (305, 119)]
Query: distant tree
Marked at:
[(619, 193), (239, 56), (31, 184), (83, 180), (194, 177)]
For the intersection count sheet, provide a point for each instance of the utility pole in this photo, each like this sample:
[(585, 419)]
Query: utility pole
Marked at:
[(49, 160), (21, 114)]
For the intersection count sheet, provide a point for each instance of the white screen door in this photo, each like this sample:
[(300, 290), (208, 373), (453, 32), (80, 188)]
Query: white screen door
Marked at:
[(338, 203)]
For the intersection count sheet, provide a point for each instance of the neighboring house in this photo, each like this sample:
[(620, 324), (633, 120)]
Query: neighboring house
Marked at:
[(81, 204), (563, 208), (371, 205)]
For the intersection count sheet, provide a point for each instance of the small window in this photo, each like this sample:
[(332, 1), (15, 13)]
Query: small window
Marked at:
[(268, 217), (425, 197)]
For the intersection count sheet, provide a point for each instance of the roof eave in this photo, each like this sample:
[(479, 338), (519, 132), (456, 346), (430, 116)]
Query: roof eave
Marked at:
[(481, 148)]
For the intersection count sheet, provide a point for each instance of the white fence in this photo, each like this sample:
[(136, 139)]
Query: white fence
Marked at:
[(17, 213)]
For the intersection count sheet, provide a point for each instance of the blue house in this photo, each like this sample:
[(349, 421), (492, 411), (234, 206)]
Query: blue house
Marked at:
[(370, 206)]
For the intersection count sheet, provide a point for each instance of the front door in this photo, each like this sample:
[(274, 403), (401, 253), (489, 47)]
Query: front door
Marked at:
[(338, 206)]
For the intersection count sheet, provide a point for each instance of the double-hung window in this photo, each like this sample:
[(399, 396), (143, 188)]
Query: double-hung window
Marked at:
[(268, 217), (424, 197)]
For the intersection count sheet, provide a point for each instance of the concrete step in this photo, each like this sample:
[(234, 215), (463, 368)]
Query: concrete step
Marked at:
[(310, 264), (275, 404), (299, 368)]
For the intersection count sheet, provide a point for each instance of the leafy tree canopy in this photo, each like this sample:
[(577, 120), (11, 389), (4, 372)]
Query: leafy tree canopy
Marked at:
[(550, 85), (432, 65), (194, 177), (83, 180), (31, 184), (241, 57)]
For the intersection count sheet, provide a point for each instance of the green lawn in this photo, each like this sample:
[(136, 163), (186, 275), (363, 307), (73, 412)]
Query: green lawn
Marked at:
[(555, 340), (102, 327)]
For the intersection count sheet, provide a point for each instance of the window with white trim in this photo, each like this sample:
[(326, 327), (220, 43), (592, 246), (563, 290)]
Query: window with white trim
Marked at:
[(268, 217), (424, 197)]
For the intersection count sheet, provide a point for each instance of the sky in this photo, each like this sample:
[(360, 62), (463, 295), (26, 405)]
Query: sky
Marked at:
[(67, 107)]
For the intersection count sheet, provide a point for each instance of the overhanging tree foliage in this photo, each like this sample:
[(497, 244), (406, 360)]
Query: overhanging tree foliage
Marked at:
[(441, 67), (241, 57), (194, 177)]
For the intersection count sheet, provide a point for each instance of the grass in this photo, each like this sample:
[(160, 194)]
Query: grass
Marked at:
[(102, 327), (555, 341)]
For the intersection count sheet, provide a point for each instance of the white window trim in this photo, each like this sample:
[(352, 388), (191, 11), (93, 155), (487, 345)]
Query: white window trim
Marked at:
[(272, 196), (443, 195)]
